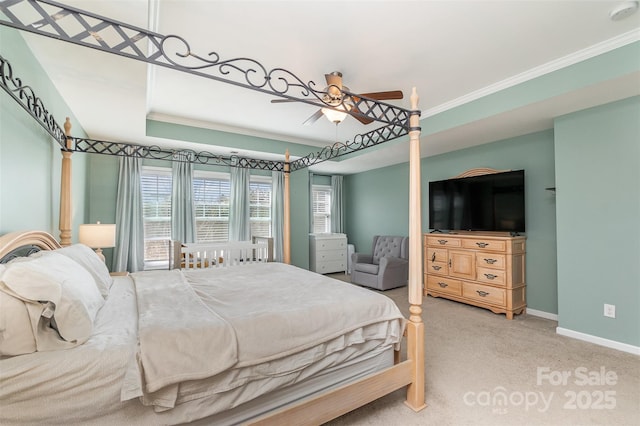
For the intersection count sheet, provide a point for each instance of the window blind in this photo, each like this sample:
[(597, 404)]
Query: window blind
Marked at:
[(156, 207), (211, 197), (321, 208), (260, 206)]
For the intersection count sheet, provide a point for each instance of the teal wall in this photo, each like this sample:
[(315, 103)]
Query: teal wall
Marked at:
[(299, 198), (377, 202), (30, 160), (102, 188), (598, 215)]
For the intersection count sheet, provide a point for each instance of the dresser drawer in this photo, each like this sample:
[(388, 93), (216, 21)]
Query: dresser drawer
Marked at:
[(330, 255), (443, 241), (437, 255), (484, 293), (331, 266), (331, 244), (491, 276), (490, 260), (488, 245), (444, 285), (439, 268)]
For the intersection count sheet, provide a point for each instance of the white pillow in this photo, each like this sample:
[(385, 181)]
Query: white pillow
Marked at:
[(16, 335), (88, 259), (74, 299)]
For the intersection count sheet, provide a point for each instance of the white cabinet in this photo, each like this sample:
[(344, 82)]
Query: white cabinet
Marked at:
[(328, 253)]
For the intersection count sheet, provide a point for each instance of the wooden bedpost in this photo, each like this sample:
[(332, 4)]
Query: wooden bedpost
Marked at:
[(415, 326), (286, 252), (65, 189)]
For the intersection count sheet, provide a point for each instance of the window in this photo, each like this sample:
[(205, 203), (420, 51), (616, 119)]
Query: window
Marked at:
[(321, 208), (260, 206), (211, 194), (156, 207)]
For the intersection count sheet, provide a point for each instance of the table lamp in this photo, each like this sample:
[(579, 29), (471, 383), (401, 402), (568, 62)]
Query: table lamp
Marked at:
[(98, 236)]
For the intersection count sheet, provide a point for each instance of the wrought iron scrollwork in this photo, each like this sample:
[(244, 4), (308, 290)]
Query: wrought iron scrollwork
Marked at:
[(27, 98), (359, 142), (62, 22), (52, 19), (155, 152)]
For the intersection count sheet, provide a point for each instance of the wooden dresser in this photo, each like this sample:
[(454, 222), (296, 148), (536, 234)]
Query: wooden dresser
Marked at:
[(485, 270), (328, 253)]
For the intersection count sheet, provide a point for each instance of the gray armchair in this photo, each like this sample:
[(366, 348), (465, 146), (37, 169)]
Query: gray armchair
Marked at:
[(386, 268)]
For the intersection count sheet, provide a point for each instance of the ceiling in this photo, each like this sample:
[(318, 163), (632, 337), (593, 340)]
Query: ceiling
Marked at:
[(453, 52)]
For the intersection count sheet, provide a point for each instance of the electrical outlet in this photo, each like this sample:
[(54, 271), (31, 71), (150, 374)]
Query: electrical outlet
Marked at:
[(609, 310)]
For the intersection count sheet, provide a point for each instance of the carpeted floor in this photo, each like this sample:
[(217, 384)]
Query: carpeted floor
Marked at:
[(482, 369)]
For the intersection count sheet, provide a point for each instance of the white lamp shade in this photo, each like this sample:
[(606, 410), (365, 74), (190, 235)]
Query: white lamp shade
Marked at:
[(98, 235), (334, 115)]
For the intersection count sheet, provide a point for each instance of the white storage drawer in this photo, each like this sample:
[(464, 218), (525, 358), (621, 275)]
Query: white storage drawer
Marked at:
[(328, 253), (330, 266), (331, 244)]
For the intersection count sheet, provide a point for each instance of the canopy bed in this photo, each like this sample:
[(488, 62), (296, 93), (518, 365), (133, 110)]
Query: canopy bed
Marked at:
[(292, 398)]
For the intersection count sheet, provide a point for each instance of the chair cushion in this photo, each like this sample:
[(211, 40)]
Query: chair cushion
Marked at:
[(367, 267), (387, 246)]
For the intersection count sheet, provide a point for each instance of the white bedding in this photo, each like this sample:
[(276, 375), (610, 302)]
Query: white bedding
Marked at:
[(279, 343)]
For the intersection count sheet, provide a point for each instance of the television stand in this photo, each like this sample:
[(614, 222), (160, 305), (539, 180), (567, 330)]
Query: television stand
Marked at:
[(480, 269)]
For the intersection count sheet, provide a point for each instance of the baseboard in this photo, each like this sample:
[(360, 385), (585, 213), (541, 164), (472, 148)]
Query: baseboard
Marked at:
[(542, 314), (599, 340)]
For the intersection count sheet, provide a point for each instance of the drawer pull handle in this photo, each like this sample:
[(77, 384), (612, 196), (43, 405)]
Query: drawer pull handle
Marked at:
[(482, 245), (436, 267), (449, 263), (443, 285), (491, 261), (433, 257), (443, 242), (482, 293), (490, 276)]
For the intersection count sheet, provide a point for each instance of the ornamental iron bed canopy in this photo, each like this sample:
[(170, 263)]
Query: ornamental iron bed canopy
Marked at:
[(26, 97), (65, 23)]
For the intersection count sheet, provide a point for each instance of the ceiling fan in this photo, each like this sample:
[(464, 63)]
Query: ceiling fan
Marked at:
[(334, 97)]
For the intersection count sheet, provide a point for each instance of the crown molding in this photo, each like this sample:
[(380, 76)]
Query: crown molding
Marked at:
[(555, 65)]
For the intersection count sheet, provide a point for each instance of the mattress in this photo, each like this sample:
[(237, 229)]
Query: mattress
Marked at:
[(85, 384)]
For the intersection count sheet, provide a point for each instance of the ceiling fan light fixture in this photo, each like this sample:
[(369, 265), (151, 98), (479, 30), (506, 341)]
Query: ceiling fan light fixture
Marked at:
[(334, 115)]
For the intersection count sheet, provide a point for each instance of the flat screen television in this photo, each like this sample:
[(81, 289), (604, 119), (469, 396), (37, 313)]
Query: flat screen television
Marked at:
[(492, 202)]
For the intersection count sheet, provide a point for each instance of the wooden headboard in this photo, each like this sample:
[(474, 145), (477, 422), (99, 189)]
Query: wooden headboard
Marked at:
[(24, 243)]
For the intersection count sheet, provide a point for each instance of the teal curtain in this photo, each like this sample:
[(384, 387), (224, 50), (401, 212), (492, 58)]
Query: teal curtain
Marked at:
[(277, 215), (183, 219), (129, 251), (311, 203), (337, 209), (239, 226)]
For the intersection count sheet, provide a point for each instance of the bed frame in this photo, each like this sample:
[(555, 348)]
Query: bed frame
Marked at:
[(328, 405)]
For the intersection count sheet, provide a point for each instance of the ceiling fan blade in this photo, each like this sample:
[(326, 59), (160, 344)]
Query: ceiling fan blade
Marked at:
[(392, 94), (383, 96), (309, 121), (355, 112)]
